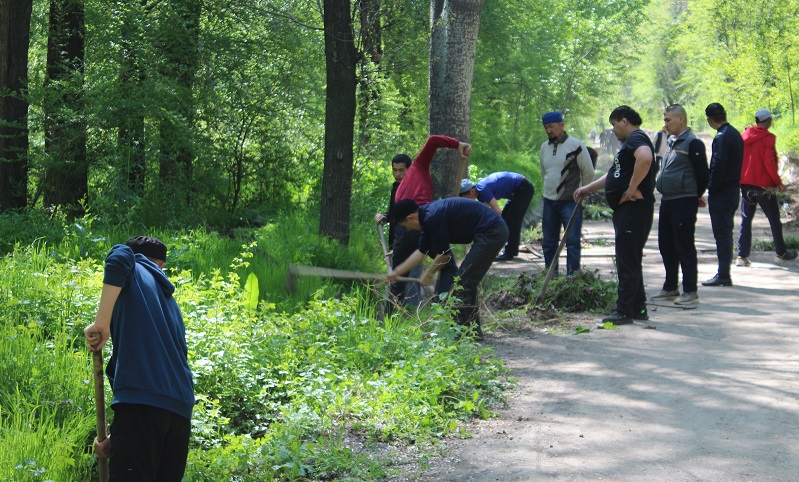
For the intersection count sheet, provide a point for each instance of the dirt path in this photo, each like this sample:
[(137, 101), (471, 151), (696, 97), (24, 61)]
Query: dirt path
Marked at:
[(709, 394)]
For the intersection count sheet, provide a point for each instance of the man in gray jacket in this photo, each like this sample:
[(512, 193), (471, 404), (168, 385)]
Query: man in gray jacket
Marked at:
[(682, 182)]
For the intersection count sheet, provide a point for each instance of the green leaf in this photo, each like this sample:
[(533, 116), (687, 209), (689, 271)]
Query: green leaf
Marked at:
[(581, 329), (251, 289)]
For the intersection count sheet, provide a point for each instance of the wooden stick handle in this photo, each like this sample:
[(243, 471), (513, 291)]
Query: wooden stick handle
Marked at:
[(386, 256), (99, 405)]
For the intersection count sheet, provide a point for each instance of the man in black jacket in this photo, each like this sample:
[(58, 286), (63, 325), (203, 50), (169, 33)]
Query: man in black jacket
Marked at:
[(458, 221), (723, 188)]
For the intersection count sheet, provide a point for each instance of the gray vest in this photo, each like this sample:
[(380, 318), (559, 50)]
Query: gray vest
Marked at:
[(677, 178)]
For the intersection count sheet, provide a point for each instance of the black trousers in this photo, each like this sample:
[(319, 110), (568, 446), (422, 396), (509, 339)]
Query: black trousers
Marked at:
[(487, 244), (513, 214), (722, 206), (148, 444), (676, 229), (632, 221), (751, 197), (406, 241)]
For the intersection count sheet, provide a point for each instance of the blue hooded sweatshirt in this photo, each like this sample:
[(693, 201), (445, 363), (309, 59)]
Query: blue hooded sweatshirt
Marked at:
[(149, 364)]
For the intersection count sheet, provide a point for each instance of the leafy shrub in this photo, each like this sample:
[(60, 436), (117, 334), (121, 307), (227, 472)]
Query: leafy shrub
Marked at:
[(280, 386)]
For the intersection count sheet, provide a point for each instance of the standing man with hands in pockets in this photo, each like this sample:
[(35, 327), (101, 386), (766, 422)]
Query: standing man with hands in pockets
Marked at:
[(629, 189)]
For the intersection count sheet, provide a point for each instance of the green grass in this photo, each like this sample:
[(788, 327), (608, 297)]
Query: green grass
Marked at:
[(792, 242)]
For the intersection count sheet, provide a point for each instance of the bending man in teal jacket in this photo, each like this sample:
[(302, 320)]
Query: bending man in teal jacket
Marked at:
[(148, 370)]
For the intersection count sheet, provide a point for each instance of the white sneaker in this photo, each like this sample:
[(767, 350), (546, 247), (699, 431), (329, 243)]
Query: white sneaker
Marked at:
[(743, 261), (687, 299)]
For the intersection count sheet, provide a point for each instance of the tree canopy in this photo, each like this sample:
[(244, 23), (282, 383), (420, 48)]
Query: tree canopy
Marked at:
[(181, 112)]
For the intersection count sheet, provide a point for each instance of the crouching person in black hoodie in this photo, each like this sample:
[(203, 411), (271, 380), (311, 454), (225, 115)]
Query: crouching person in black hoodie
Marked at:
[(453, 221)]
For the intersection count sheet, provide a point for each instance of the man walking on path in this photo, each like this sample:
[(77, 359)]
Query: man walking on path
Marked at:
[(565, 166), (723, 189), (453, 221), (759, 174), (682, 182), (418, 185), (148, 370), (629, 189), (512, 186)]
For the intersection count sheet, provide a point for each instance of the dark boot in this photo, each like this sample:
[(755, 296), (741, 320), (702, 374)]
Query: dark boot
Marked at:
[(469, 319)]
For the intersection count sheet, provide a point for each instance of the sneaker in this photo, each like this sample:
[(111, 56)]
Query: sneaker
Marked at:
[(666, 295), (687, 299), (787, 256), (717, 281), (617, 318), (744, 261), (642, 315), (503, 256)]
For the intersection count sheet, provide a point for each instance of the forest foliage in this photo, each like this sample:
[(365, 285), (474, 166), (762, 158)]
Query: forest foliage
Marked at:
[(235, 93), (203, 123)]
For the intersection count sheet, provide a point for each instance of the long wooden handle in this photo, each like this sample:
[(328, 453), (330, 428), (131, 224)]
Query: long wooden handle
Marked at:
[(343, 274), (99, 405), (386, 256)]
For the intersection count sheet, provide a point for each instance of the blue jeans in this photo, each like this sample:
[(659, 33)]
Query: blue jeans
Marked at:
[(557, 214)]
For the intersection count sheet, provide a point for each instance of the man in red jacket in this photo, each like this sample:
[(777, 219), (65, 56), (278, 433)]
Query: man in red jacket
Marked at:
[(418, 185), (759, 177)]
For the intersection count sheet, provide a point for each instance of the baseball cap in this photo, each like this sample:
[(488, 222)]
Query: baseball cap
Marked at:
[(762, 115), (465, 186)]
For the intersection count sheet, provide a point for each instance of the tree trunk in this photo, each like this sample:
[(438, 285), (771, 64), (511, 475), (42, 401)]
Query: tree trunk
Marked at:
[(66, 175), (341, 60), (15, 21), (453, 44)]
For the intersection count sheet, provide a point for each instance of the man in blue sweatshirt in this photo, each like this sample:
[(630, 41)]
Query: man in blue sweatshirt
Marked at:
[(148, 370)]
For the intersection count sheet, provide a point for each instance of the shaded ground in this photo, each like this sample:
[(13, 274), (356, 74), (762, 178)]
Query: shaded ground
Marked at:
[(706, 394)]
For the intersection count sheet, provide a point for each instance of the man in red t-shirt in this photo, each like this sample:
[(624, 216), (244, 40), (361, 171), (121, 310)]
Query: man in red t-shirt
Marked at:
[(418, 185), (758, 174)]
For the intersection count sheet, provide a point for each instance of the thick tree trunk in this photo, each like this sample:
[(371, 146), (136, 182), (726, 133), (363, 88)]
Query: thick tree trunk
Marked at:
[(66, 172), (15, 21), (341, 60), (453, 44)]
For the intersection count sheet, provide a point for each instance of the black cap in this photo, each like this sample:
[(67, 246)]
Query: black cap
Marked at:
[(148, 246), (715, 110), (403, 208)]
